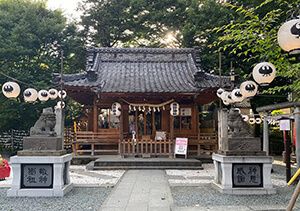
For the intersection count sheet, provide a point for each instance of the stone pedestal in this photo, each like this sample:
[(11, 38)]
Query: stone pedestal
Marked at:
[(243, 144), (38, 143), (40, 176), (243, 174)]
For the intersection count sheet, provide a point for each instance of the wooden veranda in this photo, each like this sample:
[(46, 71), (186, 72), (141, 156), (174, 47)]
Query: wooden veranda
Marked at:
[(89, 144)]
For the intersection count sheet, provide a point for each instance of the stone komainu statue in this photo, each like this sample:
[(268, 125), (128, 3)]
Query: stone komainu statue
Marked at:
[(237, 126), (44, 126)]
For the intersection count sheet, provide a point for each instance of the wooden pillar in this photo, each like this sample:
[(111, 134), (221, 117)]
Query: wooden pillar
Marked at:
[(121, 122), (171, 127), (297, 126), (153, 132), (136, 125), (95, 116), (172, 136), (121, 126), (197, 121)]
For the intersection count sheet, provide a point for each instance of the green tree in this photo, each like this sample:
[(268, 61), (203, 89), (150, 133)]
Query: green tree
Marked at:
[(166, 23), (252, 38), (30, 36)]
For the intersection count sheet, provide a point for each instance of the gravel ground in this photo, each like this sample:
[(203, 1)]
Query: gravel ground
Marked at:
[(206, 195), (77, 199), (80, 177), (195, 189)]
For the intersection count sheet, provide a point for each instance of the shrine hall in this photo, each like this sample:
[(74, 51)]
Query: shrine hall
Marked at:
[(137, 101)]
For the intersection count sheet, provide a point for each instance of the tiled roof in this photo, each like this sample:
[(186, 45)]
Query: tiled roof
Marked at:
[(136, 70)]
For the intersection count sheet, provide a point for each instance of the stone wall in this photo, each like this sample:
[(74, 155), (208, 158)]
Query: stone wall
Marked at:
[(12, 140)]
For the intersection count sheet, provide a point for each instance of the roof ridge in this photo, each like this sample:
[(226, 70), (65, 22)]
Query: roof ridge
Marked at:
[(141, 50)]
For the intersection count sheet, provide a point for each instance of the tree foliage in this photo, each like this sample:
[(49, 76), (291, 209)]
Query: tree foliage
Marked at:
[(167, 23), (252, 38), (30, 37)]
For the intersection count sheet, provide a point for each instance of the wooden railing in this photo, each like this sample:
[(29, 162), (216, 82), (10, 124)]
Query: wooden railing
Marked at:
[(146, 147), (102, 143), (206, 143), (87, 143)]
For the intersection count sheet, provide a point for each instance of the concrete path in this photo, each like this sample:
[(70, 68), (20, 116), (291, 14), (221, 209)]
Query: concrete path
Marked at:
[(140, 190)]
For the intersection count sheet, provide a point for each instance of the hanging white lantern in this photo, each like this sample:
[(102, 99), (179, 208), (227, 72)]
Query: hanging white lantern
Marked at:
[(219, 92), (43, 95), (252, 121), (158, 109), (288, 36), (63, 95), (53, 93), (226, 98), (225, 102), (248, 88), (115, 109), (237, 96), (174, 109), (264, 73), (11, 89), (229, 98), (30, 95), (60, 105), (258, 120), (224, 95), (245, 118)]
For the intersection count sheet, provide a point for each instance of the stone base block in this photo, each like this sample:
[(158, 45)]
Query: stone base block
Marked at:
[(38, 143), (241, 153), (243, 191), (40, 192), (40, 176), (42, 153), (243, 175)]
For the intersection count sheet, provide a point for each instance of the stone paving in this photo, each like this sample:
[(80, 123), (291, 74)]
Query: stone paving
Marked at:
[(140, 190)]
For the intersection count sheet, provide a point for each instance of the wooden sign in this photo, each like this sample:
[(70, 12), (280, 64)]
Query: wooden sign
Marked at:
[(186, 112), (181, 146)]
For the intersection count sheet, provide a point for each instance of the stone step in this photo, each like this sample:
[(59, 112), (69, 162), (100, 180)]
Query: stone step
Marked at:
[(145, 167), (144, 163)]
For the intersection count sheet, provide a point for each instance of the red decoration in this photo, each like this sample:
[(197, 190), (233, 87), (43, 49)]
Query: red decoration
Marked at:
[(4, 170)]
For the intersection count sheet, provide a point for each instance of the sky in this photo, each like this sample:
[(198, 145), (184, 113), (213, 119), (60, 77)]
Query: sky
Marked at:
[(67, 6)]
